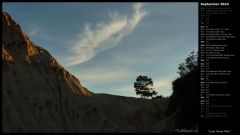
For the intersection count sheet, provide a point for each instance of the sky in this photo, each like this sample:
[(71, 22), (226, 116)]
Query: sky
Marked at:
[(107, 45)]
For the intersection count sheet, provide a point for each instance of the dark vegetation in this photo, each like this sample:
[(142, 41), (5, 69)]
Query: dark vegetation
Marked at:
[(143, 87), (183, 102), (184, 99)]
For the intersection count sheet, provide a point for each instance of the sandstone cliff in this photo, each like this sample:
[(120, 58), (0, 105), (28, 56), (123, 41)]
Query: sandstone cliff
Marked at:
[(39, 95)]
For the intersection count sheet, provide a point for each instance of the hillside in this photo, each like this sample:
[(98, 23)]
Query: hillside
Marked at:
[(39, 95)]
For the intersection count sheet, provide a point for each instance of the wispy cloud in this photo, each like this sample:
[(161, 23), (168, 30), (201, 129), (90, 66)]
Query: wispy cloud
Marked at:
[(34, 30), (164, 85), (104, 36), (126, 90), (107, 75)]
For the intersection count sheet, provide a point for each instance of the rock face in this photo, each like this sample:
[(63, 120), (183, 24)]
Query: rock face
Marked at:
[(21, 54), (39, 95)]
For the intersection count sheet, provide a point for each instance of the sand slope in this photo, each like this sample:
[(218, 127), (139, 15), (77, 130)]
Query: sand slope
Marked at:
[(39, 95)]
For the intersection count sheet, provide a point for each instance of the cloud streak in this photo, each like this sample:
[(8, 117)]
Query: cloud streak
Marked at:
[(104, 36), (33, 30), (163, 87), (107, 74)]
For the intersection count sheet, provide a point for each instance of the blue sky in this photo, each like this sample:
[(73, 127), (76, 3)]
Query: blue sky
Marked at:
[(107, 45)]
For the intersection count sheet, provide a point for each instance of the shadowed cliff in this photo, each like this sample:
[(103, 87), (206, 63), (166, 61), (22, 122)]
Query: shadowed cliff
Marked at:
[(39, 95)]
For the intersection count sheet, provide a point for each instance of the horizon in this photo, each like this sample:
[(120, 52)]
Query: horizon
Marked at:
[(107, 45)]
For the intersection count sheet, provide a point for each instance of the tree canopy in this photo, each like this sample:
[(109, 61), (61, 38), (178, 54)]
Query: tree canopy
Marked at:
[(185, 93), (189, 65), (143, 86)]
